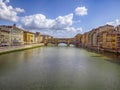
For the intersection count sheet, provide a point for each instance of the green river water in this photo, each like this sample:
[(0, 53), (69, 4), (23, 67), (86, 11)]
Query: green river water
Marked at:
[(59, 68)]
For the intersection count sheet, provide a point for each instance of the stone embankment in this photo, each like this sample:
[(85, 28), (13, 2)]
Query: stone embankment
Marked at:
[(9, 49)]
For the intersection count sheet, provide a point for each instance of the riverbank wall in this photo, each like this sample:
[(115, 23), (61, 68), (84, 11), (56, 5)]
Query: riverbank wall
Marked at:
[(102, 50), (9, 49)]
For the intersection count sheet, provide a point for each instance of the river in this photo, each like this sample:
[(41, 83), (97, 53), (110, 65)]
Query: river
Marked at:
[(59, 68)]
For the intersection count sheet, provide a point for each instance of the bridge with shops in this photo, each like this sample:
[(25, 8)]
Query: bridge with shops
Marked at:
[(57, 41)]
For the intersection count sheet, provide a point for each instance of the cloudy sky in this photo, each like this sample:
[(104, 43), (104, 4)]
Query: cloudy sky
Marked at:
[(59, 18)]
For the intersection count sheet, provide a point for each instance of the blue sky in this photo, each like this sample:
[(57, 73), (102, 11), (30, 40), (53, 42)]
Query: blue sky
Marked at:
[(59, 18)]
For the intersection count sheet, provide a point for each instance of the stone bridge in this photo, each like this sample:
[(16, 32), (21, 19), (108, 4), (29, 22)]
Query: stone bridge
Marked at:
[(56, 41)]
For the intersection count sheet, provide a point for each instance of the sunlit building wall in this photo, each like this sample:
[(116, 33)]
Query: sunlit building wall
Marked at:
[(29, 37)]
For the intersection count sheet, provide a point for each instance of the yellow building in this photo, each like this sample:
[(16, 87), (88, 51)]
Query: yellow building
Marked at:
[(100, 39), (105, 28), (4, 37), (28, 37), (109, 40), (90, 38), (103, 39), (102, 35), (86, 39), (83, 40), (94, 38), (113, 40)]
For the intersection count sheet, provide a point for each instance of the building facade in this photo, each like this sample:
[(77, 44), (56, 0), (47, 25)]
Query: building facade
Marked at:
[(29, 37), (44, 37), (78, 40), (38, 37), (117, 28), (113, 40), (15, 34), (4, 37)]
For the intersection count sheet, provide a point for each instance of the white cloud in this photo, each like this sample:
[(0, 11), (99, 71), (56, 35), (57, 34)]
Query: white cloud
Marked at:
[(64, 21), (39, 21), (7, 12), (68, 33), (114, 23), (60, 26), (81, 11), (75, 30), (19, 10)]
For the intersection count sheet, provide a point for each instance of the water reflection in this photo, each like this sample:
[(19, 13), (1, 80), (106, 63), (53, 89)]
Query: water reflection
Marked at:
[(58, 68), (63, 45), (111, 57)]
